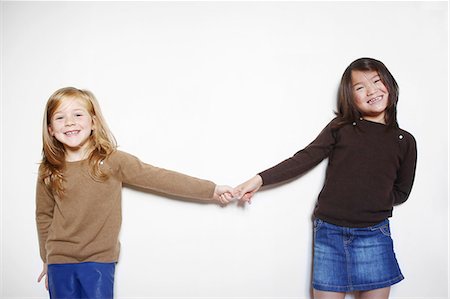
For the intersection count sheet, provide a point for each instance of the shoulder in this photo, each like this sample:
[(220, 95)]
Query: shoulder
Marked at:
[(337, 125), (406, 133), (43, 171), (406, 136), (334, 123), (117, 158), (339, 122), (41, 168), (329, 133), (407, 142)]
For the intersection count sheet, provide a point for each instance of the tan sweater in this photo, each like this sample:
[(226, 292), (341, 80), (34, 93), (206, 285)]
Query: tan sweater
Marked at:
[(84, 225)]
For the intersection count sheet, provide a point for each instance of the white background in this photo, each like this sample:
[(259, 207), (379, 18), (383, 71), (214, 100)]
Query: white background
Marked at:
[(222, 91)]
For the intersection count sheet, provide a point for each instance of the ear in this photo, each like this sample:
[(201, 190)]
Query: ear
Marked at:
[(94, 122), (50, 130)]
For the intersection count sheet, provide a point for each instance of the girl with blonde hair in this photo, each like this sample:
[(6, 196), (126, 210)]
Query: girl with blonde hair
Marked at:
[(78, 195)]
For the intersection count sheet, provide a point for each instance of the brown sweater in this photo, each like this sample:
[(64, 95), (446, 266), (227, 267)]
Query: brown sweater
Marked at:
[(84, 225), (370, 169)]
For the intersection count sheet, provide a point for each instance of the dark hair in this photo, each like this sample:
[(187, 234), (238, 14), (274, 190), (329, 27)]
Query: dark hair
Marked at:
[(346, 108)]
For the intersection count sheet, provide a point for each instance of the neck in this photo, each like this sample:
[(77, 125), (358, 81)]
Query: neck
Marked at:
[(375, 118), (74, 155)]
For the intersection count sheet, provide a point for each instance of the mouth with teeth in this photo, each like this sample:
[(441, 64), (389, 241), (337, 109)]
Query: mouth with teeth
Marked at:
[(71, 133), (374, 100)]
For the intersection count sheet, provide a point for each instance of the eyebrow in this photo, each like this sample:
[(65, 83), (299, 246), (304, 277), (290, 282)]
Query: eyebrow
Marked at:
[(377, 75), (74, 110)]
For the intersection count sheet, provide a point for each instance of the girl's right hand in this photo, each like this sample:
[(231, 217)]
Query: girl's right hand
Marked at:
[(245, 191), (44, 273)]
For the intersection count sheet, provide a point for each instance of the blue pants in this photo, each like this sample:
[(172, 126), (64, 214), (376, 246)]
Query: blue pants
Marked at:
[(81, 281)]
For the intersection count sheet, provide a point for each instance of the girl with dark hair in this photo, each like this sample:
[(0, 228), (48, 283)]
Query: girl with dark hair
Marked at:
[(347, 107), (371, 168)]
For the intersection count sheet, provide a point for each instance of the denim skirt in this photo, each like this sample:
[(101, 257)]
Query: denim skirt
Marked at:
[(353, 259)]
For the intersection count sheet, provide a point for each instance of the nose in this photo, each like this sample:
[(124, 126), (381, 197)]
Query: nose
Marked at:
[(69, 121), (371, 88)]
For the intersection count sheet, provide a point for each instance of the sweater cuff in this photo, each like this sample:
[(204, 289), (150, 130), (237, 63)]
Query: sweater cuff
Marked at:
[(264, 179)]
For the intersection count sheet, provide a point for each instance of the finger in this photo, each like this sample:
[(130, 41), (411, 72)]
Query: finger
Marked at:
[(41, 276), (244, 200), (228, 196), (223, 199), (46, 282), (229, 189), (248, 197), (237, 193)]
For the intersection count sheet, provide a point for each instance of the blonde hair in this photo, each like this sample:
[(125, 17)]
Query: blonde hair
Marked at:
[(102, 141)]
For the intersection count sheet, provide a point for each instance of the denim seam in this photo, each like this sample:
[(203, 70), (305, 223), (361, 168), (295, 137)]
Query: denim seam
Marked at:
[(392, 280), (318, 225), (347, 240), (350, 288), (384, 229)]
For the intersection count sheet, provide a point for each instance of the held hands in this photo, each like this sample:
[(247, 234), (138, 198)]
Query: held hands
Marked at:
[(245, 191), (223, 194)]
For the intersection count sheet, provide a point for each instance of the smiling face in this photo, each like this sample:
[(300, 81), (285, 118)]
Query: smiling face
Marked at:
[(370, 95), (72, 124)]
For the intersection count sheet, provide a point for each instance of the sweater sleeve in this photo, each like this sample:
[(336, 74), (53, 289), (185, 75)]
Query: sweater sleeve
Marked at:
[(45, 204), (303, 160), (406, 173), (133, 172)]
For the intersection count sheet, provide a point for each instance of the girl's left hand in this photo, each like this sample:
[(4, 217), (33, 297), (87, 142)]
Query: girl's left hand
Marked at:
[(223, 194), (245, 191), (44, 273)]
